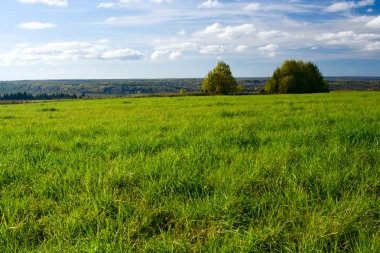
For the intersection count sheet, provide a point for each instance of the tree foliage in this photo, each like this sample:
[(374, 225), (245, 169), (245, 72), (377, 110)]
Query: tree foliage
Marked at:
[(296, 77), (220, 80)]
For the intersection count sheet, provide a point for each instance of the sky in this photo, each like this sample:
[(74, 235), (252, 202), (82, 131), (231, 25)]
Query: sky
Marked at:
[(117, 39)]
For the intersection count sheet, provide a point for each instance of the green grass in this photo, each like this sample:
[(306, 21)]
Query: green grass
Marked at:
[(286, 173)]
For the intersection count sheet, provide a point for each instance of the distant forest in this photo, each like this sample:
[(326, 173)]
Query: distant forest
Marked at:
[(55, 89), (28, 96)]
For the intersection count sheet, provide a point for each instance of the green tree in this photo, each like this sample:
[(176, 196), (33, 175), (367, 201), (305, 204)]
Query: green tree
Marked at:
[(182, 92), (296, 77), (220, 80)]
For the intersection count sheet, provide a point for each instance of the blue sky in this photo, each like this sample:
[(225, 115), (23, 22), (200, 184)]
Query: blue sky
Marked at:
[(66, 39)]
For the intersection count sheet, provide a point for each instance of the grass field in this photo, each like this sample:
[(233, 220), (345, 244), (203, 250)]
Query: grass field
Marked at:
[(282, 173)]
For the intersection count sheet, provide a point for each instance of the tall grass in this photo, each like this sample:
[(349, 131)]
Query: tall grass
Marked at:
[(287, 173)]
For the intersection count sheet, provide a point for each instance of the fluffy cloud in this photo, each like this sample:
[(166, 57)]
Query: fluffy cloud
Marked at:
[(359, 42), (210, 4), (239, 34), (372, 46), (340, 6), (364, 3), (175, 55), (25, 54), (123, 3), (348, 38), (268, 50), (106, 5), (37, 25), (343, 6), (212, 49), (241, 48), (252, 7), (183, 46), (269, 35), (127, 2), (226, 32), (174, 50), (374, 23), (160, 1), (58, 3), (122, 54), (157, 54), (217, 39)]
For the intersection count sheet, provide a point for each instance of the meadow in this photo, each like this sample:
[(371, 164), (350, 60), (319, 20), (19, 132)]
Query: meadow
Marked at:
[(274, 173)]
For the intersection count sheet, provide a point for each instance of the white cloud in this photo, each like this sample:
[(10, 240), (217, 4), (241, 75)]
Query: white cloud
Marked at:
[(252, 7), (151, 18), (103, 41), (348, 38), (340, 6), (267, 35), (210, 4), (344, 6), (112, 20), (242, 32), (364, 3), (358, 42), (24, 54), (211, 30), (120, 3), (158, 54), (182, 33), (277, 7), (268, 50), (37, 25), (270, 47), (160, 1), (175, 55), (241, 48), (182, 46), (174, 50), (129, 1), (58, 3), (122, 54), (217, 38), (212, 49), (374, 23), (126, 3), (106, 5), (234, 32), (372, 46), (227, 32)]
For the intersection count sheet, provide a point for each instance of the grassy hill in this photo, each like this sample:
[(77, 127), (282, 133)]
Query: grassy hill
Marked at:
[(295, 173)]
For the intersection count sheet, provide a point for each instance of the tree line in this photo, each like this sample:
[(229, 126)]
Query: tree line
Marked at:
[(43, 96)]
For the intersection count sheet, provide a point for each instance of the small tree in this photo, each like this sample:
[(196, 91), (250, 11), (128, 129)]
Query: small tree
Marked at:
[(296, 77), (220, 80), (182, 92)]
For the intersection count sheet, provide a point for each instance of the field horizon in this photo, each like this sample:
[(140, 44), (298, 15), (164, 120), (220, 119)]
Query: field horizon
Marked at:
[(128, 87)]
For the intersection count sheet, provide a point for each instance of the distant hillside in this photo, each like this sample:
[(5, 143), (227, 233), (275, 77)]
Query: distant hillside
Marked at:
[(353, 83), (125, 87)]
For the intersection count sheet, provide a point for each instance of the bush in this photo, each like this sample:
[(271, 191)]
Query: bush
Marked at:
[(296, 77)]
